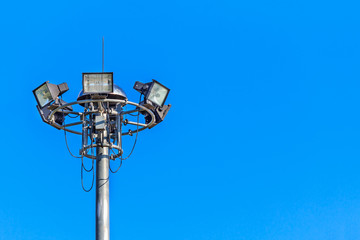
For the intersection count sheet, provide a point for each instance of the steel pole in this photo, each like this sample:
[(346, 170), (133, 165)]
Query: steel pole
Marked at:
[(102, 190)]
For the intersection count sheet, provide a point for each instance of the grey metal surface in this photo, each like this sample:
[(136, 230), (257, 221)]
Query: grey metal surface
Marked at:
[(118, 129), (118, 93), (102, 190), (85, 131), (113, 146), (138, 124), (124, 102), (100, 122), (72, 124)]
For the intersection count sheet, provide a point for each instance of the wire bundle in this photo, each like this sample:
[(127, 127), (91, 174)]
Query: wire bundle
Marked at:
[(92, 169)]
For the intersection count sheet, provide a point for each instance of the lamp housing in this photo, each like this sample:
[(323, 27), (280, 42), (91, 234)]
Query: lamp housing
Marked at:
[(154, 92), (100, 82), (47, 92)]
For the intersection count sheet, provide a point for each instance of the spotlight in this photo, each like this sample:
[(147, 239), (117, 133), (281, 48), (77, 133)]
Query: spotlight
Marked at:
[(98, 82), (47, 97), (155, 95), (47, 92), (154, 92)]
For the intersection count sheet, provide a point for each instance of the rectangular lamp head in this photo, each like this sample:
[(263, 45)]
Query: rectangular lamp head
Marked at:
[(98, 82), (157, 93), (46, 93)]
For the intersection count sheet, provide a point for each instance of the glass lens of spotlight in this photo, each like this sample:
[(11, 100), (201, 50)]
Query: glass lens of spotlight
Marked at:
[(43, 95), (98, 82), (158, 94)]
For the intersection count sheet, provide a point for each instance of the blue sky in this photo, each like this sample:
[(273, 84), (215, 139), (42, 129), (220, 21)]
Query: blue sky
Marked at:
[(261, 143)]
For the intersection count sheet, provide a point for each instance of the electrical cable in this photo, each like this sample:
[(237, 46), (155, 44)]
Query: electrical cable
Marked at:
[(137, 133), (82, 161), (137, 128), (92, 168), (113, 153), (118, 167), (67, 146), (82, 180)]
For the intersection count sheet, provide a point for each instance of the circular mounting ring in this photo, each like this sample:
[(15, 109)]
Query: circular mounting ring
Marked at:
[(82, 114), (110, 146), (124, 102)]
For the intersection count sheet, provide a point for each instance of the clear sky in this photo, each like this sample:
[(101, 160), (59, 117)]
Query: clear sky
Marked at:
[(262, 141)]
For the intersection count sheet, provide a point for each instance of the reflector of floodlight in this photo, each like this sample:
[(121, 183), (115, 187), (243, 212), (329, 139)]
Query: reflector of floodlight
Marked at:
[(43, 95), (157, 93), (98, 82), (47, 92)]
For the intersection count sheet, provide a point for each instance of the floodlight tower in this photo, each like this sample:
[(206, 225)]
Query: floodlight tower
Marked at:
[(101, 121)]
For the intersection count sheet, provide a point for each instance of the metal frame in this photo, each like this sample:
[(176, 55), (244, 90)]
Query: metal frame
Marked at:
[(144, 126), (113, 112)]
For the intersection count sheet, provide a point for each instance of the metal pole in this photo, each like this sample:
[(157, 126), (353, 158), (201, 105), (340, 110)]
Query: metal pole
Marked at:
[(102, 189), (103, 55)]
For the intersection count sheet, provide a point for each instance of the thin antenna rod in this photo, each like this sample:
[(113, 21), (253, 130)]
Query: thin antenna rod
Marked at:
[(103, 54)]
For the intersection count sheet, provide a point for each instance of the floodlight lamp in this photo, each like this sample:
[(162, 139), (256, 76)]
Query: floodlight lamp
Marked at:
[(47, 92), (157, 93), (43, 95), (98, 82), (154, 92), (47, 97)]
